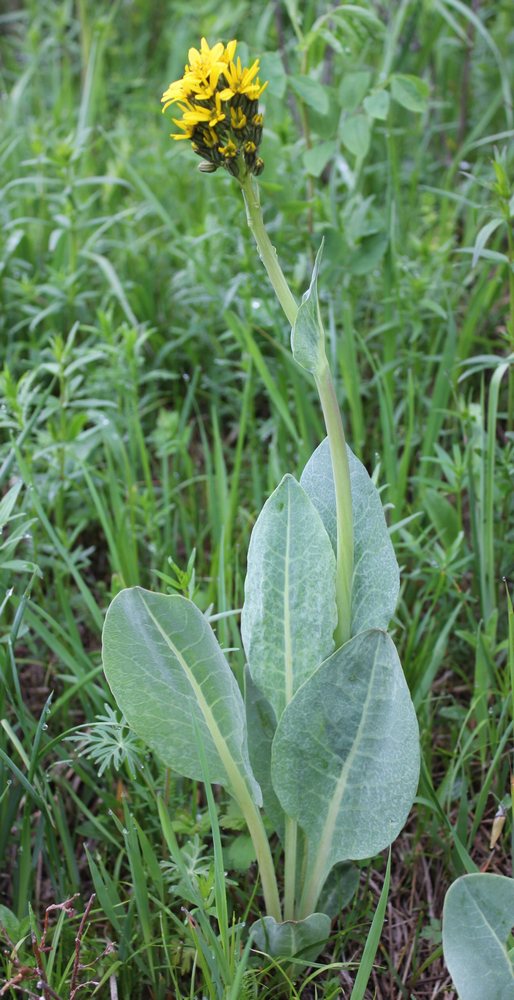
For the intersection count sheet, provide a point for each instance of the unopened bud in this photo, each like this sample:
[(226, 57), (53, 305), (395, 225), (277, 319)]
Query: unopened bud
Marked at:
[(498, 824)]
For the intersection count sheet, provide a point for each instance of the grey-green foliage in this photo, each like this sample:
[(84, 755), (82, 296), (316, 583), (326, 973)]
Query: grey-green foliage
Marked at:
[(172, 682), (331, 736), (345, 759), (376, 578), (307, 335), (289, 613), (478, 917), (261, 730), (339, 888)]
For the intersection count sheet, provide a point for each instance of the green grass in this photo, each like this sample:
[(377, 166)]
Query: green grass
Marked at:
[(150, 405)]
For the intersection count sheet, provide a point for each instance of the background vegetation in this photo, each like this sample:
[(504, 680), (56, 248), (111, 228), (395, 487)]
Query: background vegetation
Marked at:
[(150, 405)]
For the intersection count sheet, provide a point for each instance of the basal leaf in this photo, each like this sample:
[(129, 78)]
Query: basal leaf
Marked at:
[(289, 612), (345, 757), (292, 938), (339, 889), (478, 917), (376, 579), (171, 680)]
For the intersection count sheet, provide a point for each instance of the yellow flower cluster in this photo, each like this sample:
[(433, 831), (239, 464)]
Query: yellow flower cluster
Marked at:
[(219, 98)]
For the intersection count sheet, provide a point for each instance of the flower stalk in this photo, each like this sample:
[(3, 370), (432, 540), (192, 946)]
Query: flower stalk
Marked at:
[(342, 485), (267, 251), (331, 414)]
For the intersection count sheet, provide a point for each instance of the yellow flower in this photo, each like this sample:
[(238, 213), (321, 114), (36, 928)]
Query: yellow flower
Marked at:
[(218, 100), (210, 138), (229, 52), (203, 89), (176, 92), (228, 151), (241, 81), (196, 114), (203, 62), (188, 129), (238, 118), (202, 72)]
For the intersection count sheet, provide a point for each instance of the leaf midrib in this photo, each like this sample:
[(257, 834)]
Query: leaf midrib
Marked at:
[(327, 835), (501, 944), (225, 755), (288, 643)]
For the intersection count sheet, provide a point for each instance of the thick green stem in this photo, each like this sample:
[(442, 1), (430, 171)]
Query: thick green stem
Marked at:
[(267, 251), (510, 327), (331, 414), (341, 473), (260, 842), (311, 889), (291, 839)]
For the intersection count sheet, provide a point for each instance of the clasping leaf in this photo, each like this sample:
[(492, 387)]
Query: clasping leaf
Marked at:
[(308, 335)]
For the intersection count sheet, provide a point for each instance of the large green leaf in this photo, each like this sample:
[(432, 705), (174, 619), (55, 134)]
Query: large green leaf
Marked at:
[(376, 578), (174, 685), (345, 758), (478, 916), (289, 612), (292, 938)]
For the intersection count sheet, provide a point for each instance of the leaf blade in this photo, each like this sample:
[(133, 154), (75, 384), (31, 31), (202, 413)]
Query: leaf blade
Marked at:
[(478, 915), (166, 641), (345, 758), (289, 613), (376, 577)]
